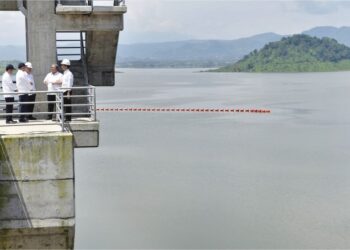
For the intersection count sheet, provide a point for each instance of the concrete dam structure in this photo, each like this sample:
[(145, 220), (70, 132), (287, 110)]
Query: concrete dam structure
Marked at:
[(37, 194)]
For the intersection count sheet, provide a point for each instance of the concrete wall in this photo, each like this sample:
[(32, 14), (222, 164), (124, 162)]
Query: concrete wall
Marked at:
[(8, 5), (37, 206), (41, 42), (101, 56)]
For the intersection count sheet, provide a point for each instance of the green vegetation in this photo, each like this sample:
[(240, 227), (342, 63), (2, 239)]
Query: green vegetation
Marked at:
[(298, 53)]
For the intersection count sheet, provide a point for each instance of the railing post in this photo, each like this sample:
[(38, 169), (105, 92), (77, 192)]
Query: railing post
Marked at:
[(95, 112), (62, 110)]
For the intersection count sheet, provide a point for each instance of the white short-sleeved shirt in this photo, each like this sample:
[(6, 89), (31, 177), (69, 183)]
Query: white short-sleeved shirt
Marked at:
[(67, 80), (31, 80), (51, 78), (22, 82), (7, 84)]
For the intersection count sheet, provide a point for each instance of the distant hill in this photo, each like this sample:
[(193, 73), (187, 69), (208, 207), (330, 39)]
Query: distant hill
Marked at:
[(209, 53), (298, 53), (191, 53), (10, 53), (342, 34)]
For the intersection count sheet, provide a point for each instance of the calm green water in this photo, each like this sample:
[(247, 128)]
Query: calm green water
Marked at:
[(218, 180)]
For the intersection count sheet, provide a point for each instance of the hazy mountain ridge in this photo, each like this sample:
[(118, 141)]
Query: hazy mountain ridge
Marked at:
[(210, 53), (192, 53), (342, 34), (298, 53)]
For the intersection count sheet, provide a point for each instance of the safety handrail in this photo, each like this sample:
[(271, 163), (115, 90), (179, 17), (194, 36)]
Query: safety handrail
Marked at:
[(89, 101), (91, 2)]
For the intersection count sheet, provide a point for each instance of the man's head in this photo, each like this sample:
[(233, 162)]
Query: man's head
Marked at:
[(28, 67), (65, 64), (54, 68), (10, 69), (21, 66)]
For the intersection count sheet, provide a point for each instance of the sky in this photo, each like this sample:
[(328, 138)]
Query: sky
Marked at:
[(166, 20)]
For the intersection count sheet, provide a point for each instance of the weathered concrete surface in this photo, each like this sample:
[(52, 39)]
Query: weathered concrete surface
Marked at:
[(86, 134), (34, 127), (37, 206), (51, 160), (101, 56), (38, 238), (110, 10), (81, 22), (8, 5), (41, 42), (64, 9)]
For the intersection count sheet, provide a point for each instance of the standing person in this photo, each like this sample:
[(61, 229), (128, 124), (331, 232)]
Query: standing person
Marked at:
[(53, 80), (67, 84), (24, 87), (31, 97), (7, 87)]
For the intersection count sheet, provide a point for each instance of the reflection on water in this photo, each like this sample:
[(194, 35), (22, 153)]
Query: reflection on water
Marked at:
[(219, 180)]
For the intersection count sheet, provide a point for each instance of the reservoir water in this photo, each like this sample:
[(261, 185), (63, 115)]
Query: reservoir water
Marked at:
[(186, 180)]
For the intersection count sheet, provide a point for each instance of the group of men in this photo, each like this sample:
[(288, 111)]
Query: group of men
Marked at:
[(25, 86)]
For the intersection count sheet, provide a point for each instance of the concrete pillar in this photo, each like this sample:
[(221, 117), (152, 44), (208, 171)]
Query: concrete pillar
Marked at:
[(101, 56), (37, 208), (41, 41)]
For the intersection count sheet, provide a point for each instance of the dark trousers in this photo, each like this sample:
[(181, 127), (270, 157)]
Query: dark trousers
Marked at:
[(9, 108), (67, 101), (23, 108), (51, 106), (31, 106)]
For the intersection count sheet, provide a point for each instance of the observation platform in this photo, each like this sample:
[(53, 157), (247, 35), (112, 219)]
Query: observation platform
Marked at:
[(37, 205), (85, 131)]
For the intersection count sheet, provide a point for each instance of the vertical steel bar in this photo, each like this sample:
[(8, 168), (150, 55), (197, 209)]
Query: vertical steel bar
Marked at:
[(62, 111), (95, 114)]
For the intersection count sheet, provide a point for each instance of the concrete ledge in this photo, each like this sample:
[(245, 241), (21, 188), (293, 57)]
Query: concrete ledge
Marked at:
[(37, 223), (109, 10), (97, 10), (31, 128), (85, 132), (38, 238), (74, 10)]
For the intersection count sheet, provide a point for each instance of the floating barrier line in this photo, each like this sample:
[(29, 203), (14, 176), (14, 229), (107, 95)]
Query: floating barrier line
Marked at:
[(185, 110)]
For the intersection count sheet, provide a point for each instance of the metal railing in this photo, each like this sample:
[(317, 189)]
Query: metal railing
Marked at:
[(119, 2), (70, 45), (59, 113), (89, 2)]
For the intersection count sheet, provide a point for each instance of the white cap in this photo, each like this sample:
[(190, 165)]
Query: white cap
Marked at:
[(29, 65), (65, 62)]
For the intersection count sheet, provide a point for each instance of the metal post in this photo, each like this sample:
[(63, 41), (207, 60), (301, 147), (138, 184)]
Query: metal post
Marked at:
[(95, 114), (62, 110)]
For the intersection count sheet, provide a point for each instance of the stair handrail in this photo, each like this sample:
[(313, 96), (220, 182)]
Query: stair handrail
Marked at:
[(83, 58), (119, 2)]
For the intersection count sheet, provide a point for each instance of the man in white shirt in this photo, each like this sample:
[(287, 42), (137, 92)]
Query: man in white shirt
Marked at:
[(31, 97), (9, 87), (53, 80), (67, 84), (24, 87)]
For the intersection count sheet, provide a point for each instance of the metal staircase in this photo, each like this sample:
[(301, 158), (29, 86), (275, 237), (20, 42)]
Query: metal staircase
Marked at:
[(72, 46)]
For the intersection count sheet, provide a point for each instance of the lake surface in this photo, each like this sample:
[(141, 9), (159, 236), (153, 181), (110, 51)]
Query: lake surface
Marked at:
[(182, 180)]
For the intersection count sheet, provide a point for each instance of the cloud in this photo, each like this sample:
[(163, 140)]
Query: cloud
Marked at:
[(318, 7), (161, 20), (12, 28)]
